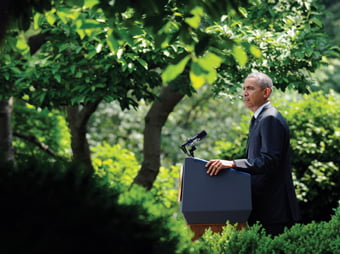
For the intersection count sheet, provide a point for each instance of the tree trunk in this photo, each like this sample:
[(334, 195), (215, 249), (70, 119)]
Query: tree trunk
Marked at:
[(6, 148), (77, 118), (154, 122)]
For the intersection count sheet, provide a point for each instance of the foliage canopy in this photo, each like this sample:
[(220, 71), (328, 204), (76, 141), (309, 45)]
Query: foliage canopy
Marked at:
[(123, 50)]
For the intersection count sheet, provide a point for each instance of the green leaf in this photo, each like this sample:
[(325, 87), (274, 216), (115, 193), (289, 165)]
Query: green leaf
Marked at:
[(42, 97), (37, 19), (81, 32), (73, 69), (204, 70), (57, 77), (173, 70), (91, 24), (211, 76), (6, 76), (255, 51), (50, 17), (243, 11), (240, 55), (196, 77), (90, 27), (143, 63), (195, 20), (316, 21), (90, 3), (210, 61), (112, 42), (309, 52), (200, 75), (22, 45), (65, 13)]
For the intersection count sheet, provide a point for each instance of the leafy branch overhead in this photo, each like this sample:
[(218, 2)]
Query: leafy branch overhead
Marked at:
[(123, 50)]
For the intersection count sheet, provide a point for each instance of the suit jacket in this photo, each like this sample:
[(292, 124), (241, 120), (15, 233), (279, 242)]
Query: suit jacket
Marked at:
[(269, 163)]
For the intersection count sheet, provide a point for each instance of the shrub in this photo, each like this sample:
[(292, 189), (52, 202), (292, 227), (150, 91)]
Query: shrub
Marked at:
[(118, 167), (315, 140), (57, 208), (322, 237), (115, 165)]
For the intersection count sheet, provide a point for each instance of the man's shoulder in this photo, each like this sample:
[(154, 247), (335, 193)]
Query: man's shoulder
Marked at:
[(269, 110), (270, 113)]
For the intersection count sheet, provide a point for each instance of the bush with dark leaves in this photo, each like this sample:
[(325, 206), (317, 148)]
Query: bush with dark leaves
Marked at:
[(58, 208)]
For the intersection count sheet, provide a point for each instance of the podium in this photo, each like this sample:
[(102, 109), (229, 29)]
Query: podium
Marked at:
[(210, 201)]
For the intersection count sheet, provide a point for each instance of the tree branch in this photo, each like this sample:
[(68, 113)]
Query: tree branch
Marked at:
[(32, 139)]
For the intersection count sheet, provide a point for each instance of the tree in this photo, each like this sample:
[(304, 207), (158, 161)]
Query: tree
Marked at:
[(59, 81), (196, 39)]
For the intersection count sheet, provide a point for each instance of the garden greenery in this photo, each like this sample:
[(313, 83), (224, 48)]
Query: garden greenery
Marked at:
[(58, 208), (323, 237), (50, 206)]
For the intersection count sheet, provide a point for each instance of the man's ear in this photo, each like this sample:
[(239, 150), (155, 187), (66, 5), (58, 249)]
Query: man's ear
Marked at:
[(267, 92)]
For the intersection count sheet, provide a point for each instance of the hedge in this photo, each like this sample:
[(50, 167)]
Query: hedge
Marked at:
[(315, 237)]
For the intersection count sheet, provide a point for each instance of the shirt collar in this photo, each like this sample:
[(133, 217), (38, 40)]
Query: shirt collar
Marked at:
[(258, 111)]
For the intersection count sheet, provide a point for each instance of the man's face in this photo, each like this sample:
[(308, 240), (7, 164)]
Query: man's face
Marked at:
[(253, 95)]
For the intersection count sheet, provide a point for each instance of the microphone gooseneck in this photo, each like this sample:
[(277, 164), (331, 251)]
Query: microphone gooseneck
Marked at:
[(191, 141)]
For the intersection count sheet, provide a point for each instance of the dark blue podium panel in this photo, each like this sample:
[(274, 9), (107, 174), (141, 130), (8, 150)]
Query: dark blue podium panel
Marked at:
[(209, 199)]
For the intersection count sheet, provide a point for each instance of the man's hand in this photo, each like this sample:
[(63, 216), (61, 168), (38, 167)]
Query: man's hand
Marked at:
[(215, 166)]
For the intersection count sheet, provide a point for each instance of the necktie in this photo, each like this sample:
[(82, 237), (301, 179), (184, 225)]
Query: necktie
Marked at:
[(252, 121)]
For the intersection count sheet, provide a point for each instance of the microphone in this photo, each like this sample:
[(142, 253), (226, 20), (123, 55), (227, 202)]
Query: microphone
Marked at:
[(199, 136)]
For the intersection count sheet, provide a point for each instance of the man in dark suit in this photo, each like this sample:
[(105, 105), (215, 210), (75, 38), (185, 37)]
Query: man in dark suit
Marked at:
[(267, 159)]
